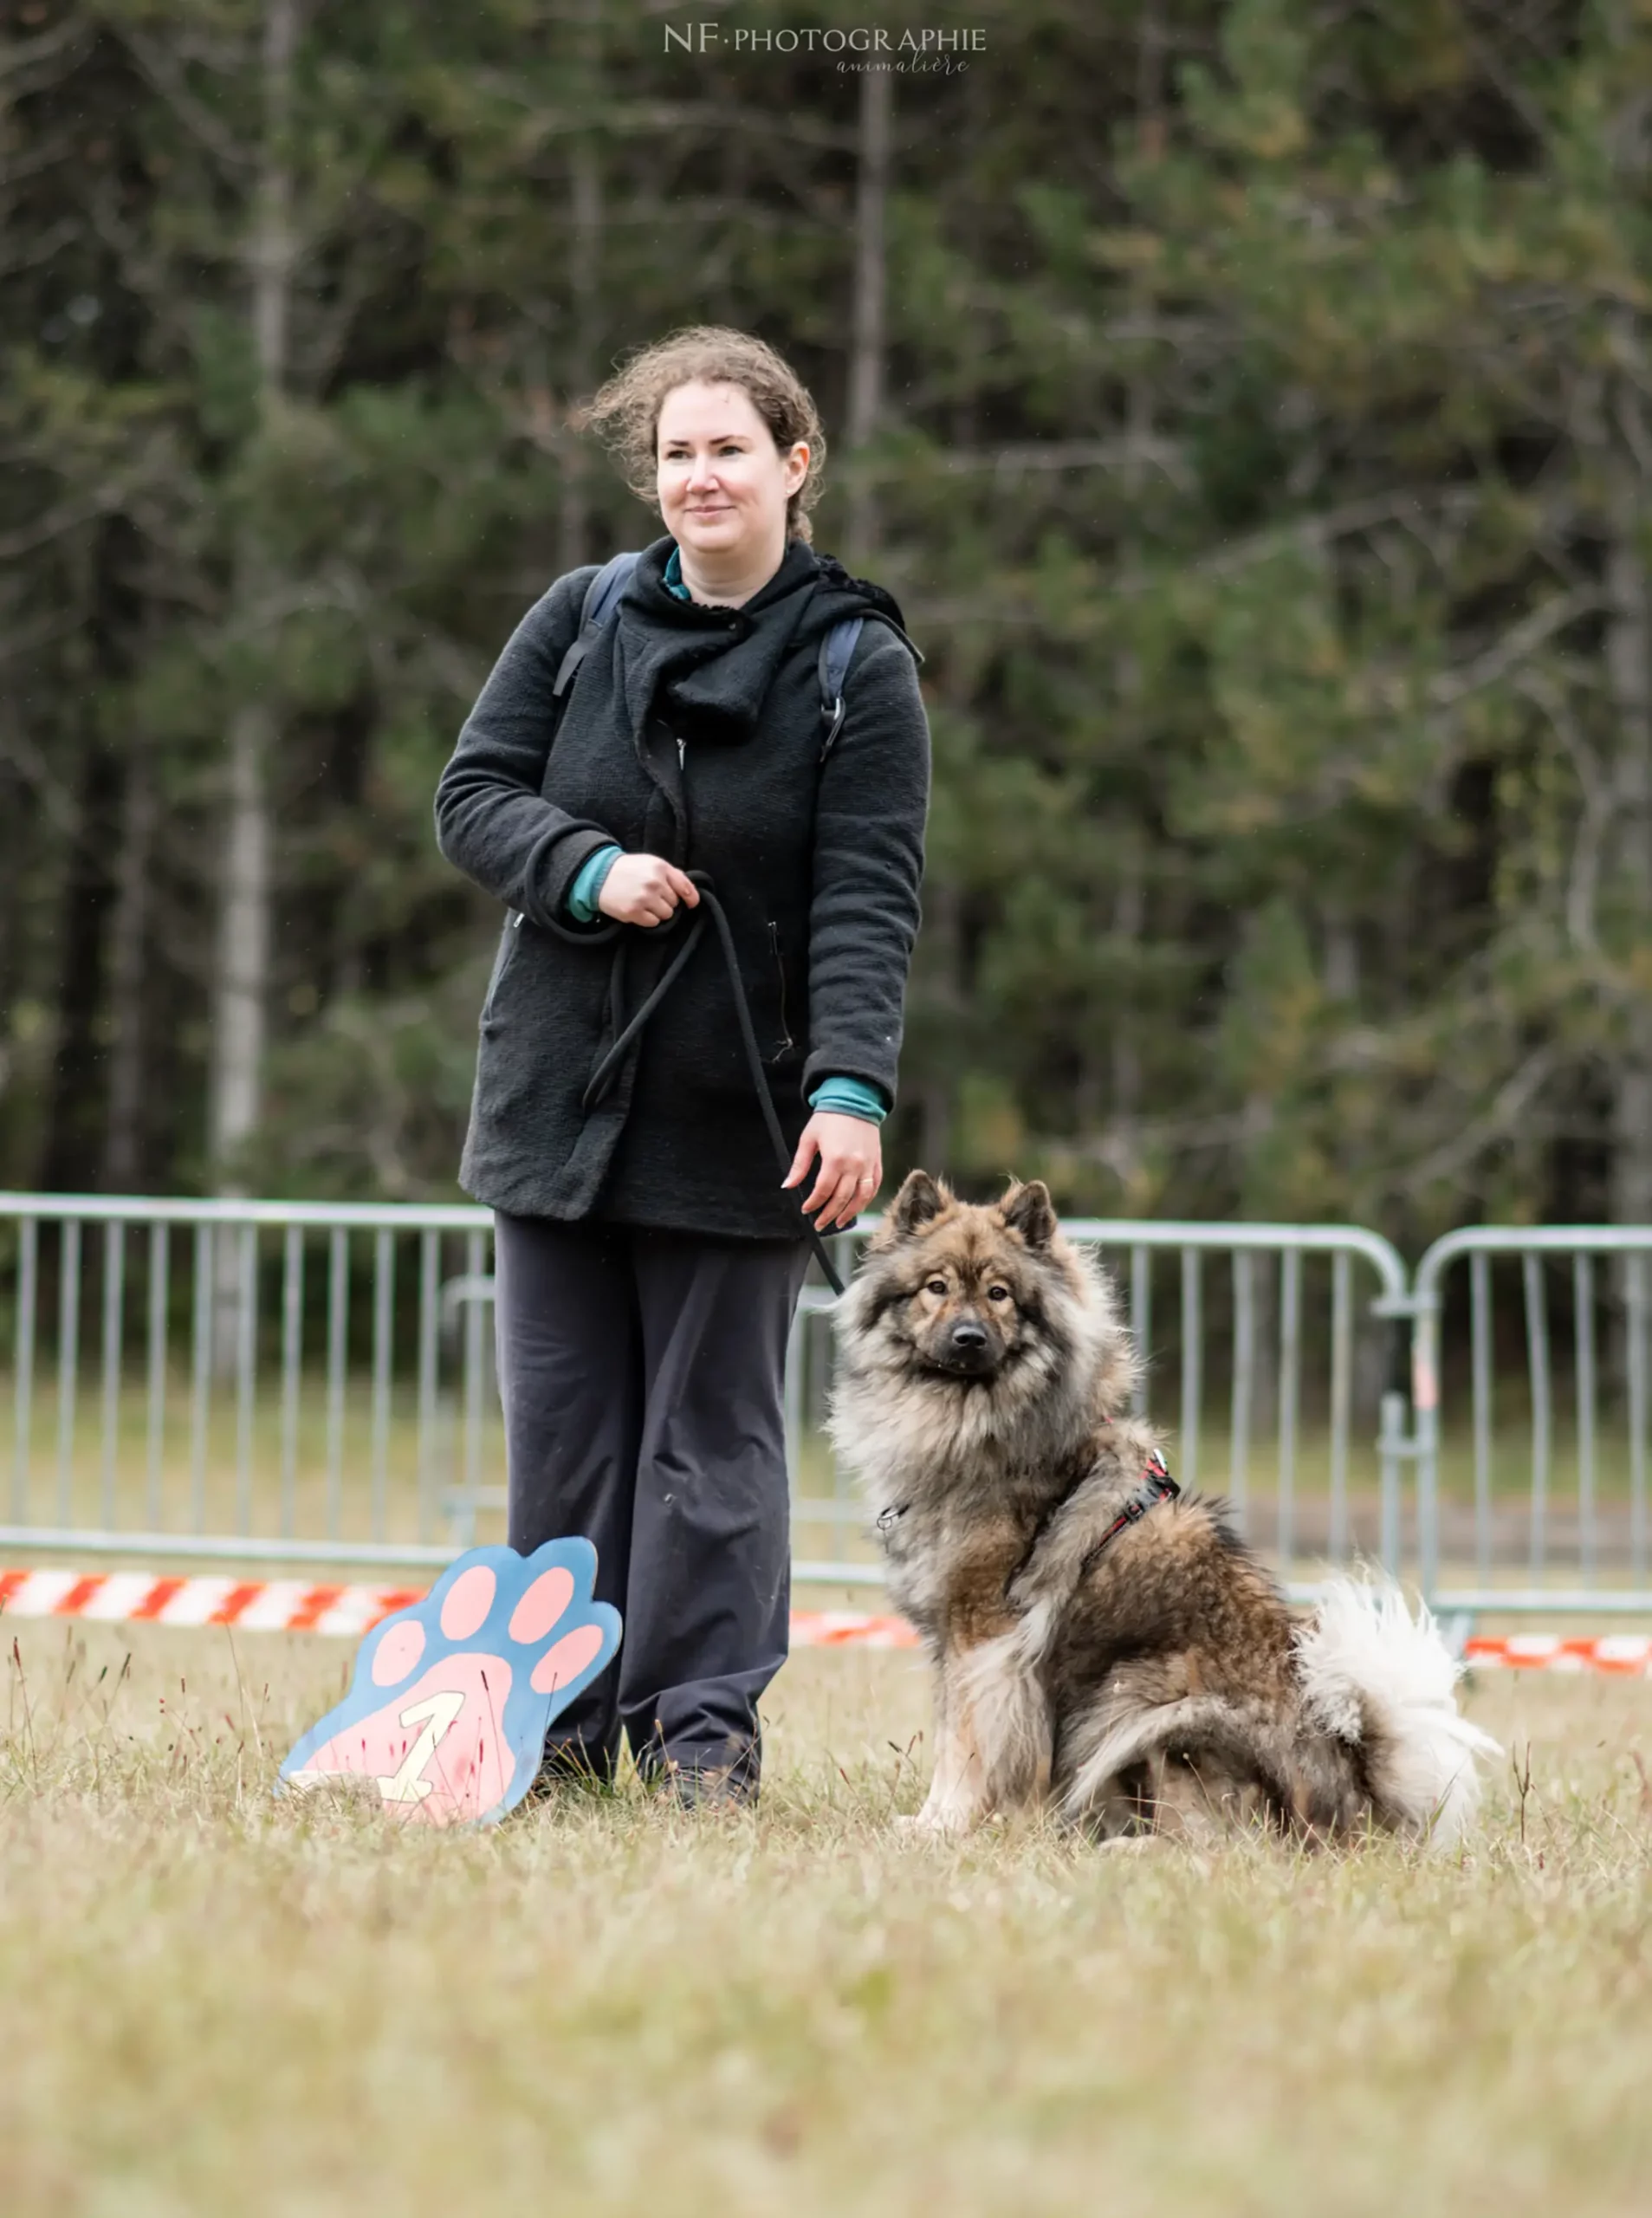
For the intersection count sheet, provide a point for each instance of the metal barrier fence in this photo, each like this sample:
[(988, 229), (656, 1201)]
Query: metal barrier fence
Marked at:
[(182, 1310), (293, 1382), (1563, 1488), (1266, 1322)]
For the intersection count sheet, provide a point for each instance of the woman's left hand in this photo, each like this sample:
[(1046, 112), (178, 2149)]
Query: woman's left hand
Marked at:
[(852, 1165)]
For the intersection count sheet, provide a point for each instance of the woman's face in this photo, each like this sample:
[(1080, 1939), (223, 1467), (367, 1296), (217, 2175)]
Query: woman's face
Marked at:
[(722, 482)]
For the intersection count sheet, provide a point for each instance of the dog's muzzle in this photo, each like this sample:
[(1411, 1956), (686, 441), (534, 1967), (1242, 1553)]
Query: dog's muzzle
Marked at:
[(966, 1350)]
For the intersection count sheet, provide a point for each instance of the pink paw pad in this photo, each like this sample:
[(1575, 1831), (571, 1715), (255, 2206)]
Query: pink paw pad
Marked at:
[(451, 1699)]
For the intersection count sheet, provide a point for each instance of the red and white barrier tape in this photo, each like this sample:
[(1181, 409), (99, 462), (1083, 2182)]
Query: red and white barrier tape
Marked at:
[(1627, 1655), (849, 1629), (260, 1605), (298, 1605)]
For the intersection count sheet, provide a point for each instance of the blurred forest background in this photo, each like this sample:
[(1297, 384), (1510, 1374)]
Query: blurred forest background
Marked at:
[(1250, 405)]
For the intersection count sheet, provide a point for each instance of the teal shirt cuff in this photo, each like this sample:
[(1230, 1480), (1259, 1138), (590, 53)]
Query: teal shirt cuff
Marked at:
[(587, 884), (850, 1097)]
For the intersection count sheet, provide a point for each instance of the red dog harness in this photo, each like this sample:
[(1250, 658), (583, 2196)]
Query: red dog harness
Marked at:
[(1157, 1486)]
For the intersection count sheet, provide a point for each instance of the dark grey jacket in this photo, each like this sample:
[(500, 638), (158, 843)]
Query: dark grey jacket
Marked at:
[(818, 867)]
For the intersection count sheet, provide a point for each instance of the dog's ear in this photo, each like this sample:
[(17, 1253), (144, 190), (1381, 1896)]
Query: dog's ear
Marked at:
[(919, 1199), (1028, 1209)]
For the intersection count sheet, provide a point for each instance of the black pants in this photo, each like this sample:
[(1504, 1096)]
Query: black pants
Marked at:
[(642, 1374)]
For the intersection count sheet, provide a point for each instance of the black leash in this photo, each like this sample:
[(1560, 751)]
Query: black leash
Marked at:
[(605, 1072)]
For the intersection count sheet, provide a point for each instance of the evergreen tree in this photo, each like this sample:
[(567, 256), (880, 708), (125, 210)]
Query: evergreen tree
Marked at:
[(1248, 404)]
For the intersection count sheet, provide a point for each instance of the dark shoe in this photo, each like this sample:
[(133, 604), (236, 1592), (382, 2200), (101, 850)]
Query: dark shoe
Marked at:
[(719, 1787), (570, 1768)]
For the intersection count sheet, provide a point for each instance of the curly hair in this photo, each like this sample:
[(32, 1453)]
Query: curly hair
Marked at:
[(626, 411)]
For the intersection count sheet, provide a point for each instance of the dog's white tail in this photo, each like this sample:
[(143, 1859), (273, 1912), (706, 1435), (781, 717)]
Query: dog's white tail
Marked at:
[(1375, 1675)]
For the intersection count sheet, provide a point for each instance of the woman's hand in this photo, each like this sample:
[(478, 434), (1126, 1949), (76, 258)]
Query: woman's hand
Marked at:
[(645, 889), (852, 1165)]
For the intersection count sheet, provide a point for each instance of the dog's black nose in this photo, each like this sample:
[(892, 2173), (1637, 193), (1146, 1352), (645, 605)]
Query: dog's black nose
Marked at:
[(967, 1336)]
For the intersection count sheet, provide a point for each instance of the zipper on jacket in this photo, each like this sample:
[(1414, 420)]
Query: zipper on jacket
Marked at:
[(682, 750), (780, 972), (507, 946)]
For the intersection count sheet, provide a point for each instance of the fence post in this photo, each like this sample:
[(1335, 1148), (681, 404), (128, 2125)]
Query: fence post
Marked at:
[(1425, 1417), (1398, 1441)]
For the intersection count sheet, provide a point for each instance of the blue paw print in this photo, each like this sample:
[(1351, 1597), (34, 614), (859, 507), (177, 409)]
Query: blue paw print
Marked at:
[(450, 1698)]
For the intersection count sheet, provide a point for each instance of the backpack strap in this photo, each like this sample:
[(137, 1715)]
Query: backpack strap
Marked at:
[(836, 648), (601, 598)]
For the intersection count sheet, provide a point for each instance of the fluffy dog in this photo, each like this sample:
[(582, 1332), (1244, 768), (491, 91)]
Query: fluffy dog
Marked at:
[(1099, 1639)]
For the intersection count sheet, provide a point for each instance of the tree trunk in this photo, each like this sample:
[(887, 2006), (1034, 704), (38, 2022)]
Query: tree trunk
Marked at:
[(866, 362), (586, 217), (1129, 918), (241, 986), (1624, 451), (941, 960), (243, 946), (123, 1127), (69, 1154), (574, 510), (1341, 953), (1629, 666)]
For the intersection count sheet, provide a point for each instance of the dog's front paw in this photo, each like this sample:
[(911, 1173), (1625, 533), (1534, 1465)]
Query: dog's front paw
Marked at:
[(936, 1824)]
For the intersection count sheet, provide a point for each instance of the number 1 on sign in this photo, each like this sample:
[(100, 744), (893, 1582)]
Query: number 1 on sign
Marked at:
[(436, 1714)]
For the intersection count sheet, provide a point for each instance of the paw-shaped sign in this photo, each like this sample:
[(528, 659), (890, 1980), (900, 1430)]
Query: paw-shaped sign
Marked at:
[(450, 1698)]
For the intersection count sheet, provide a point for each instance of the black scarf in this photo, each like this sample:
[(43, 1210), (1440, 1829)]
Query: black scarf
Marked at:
[(710, 669)]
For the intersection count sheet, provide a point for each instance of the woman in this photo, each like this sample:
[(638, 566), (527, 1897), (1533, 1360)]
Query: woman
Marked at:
[(648, 1252)]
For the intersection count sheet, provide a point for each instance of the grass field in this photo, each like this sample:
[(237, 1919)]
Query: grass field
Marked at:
[(214, 2003)]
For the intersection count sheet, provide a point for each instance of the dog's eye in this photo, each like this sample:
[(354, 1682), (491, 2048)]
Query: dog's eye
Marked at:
[(935, 1286), (998, 1293)]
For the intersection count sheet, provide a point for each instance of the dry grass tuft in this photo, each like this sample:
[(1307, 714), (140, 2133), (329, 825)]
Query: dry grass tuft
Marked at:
[(217, 2003)]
